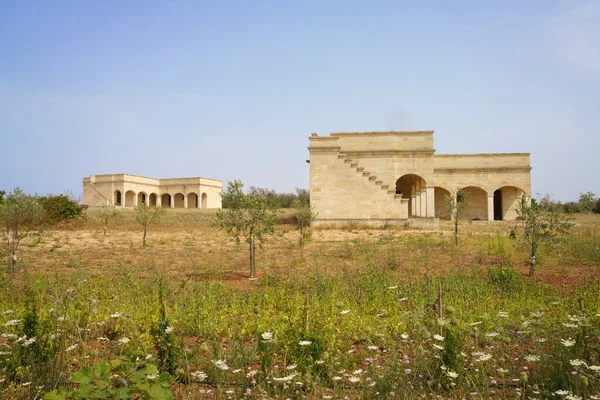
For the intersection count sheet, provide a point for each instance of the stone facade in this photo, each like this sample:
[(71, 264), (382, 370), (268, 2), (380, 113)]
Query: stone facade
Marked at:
[(379, 178), (130, 190)]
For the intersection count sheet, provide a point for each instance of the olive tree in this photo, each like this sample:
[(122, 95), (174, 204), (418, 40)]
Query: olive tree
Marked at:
[(107, 213), (456, 207), (304, 216), (20, 213), (248, 217), (541, 225), (145, 216)]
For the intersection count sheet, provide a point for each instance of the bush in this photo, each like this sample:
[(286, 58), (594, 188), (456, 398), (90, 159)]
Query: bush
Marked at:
[(504, 278), (60, 208)]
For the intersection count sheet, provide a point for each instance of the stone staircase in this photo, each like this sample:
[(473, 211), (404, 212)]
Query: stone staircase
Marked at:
[(354, 164), (99, 193)]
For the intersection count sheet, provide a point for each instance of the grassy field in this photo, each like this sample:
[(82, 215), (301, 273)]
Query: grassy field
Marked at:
[(358, 313)]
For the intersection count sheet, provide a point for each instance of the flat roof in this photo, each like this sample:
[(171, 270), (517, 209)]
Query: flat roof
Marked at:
[(148, 177)]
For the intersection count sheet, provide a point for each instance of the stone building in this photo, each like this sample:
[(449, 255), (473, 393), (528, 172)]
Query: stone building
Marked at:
[(130, 190), (380, 178)]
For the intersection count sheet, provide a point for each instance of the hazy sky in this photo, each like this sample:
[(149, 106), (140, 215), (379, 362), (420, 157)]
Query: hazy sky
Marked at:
[(233, 89)]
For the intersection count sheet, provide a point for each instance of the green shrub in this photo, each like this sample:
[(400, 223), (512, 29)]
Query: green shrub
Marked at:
[(60, 208), (504, 278)]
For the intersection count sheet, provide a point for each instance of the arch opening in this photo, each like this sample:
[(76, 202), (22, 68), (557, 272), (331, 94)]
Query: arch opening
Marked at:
[(440, 195), (410, 187), (142, 198), (506, 200), (179, 200), (118, 201), (204, 200), (152, 200), (165, 200), (129, 198), (477, 207), (192, 200)]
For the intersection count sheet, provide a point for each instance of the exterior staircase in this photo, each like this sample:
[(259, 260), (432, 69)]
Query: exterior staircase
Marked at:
[(99, 193), (354, 164)]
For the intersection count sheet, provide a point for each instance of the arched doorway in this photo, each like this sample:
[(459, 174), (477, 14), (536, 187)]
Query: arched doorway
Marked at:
[(410, 186), (118, 200), (179, 200), (506, 200), (152, 200), (192, 200), (129, 198), (204, 200), (142, 198), (440, 195), (477, 207), (165, 200)]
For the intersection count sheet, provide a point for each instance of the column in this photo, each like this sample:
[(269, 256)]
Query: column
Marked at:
[(490, 207), (418, 204), (135, 199), (158, 200), (172, 201), (430, 201), (413, 201), (423, 202), (185, 201), (418, 194)]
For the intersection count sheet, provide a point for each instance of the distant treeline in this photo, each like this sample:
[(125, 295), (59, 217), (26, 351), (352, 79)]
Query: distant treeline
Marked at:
[(586, 204), (279, 200)]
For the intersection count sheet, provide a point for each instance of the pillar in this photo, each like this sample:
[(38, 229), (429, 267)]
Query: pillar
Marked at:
[(430, 201), (158, 200), (135, 195), (423, 202), (172, 201), (418, 195), (490, 207), (185, 205)]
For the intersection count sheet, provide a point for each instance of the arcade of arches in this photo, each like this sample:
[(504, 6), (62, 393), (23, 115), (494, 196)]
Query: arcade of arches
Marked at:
[(124, 190), (481, 206), (177, 200)]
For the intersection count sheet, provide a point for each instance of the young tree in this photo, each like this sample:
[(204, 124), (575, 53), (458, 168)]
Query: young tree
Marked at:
[(455, 208), (145, 215), (2, 193), (304, 216), (249, 217), (105, 214), (541, 225), (19, 214)]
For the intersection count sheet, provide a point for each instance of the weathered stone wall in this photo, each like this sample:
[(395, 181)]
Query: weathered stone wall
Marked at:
[(341, 194)]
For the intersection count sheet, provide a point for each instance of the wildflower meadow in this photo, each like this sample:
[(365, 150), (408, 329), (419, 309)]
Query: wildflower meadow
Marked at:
[(354, 314)]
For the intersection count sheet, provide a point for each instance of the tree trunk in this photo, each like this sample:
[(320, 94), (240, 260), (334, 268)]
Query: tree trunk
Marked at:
[(144, 238), (252, 256), (13, 257), (532, 261), (456, 230)]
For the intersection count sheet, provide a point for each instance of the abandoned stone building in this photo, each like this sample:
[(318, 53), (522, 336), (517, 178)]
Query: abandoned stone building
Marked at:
[(124, 190), (379, 178)]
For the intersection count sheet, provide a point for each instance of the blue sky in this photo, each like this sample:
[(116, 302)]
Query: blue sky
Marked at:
[(233, 89)]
